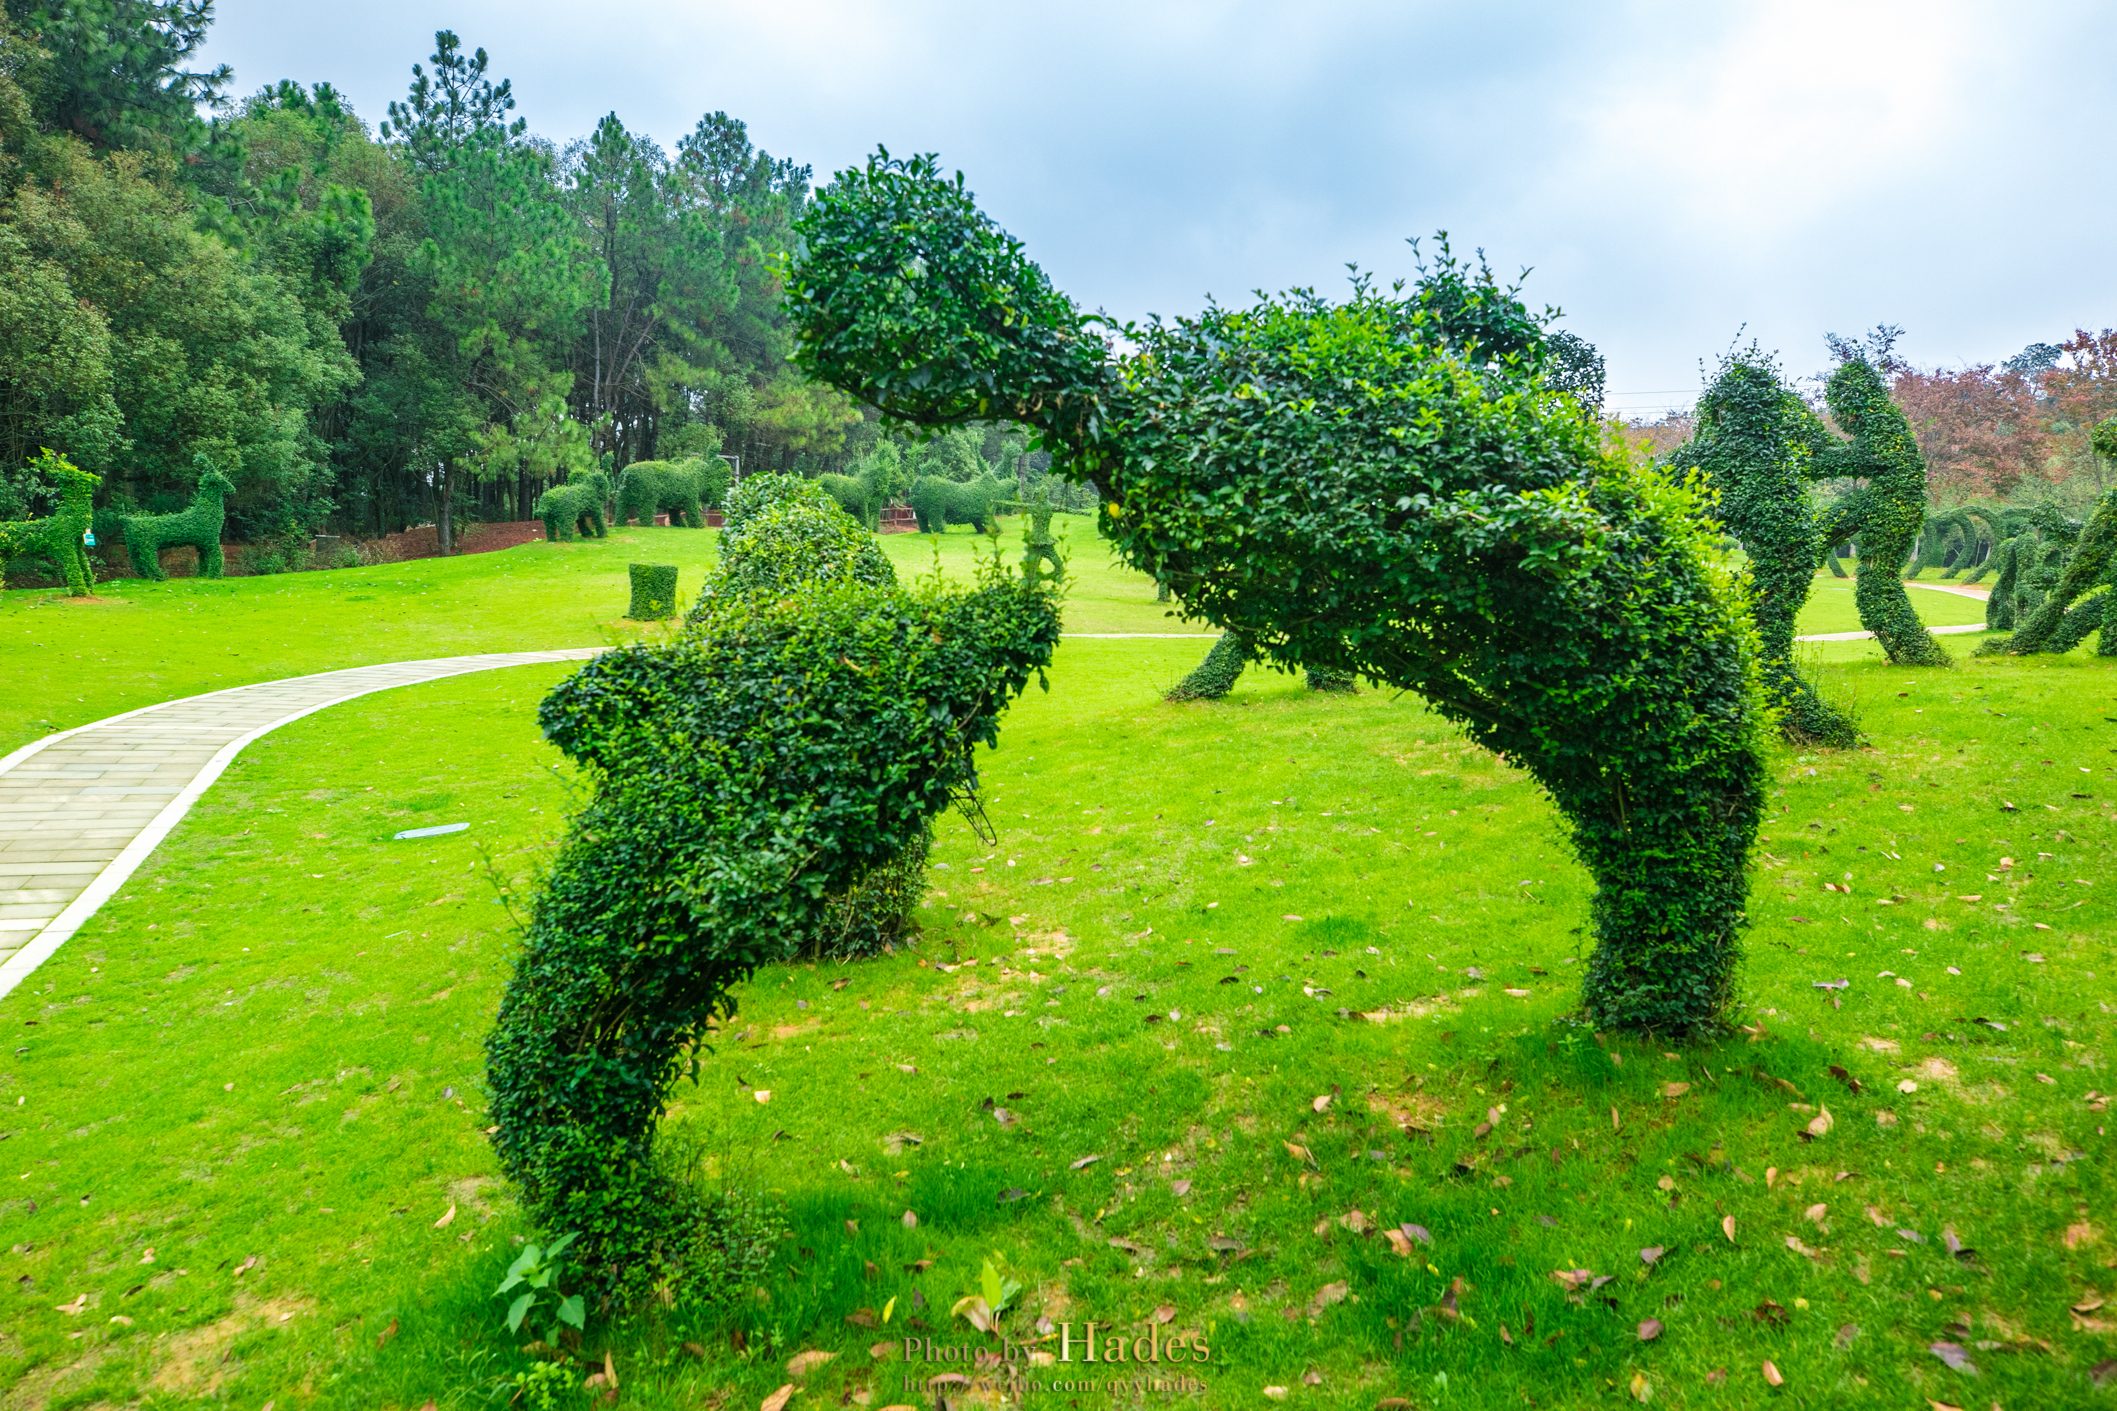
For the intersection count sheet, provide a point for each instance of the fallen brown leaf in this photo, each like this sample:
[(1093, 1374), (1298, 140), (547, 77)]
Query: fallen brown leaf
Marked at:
[(802, 1363), (1649, 1330), (1771, 1374), (1727, 1227), (777, 1400)]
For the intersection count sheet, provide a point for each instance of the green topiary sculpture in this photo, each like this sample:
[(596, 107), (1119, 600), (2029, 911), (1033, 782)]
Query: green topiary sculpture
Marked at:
[(575, 509), (1217, 674), (756, 493), (1383, 486), (1888, 511), (745, 778), (937, 502), (787, 547), (653, 592), (683, 490), (1753, 441), (58, 537), (2065, 616), (200, 526)]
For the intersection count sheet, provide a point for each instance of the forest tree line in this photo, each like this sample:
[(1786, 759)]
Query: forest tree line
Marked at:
[(433, 317)]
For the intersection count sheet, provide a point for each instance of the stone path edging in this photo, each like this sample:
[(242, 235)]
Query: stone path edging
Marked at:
[(80, 810)]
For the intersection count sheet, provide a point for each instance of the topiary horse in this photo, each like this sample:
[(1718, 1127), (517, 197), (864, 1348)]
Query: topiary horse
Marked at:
[(682, 490), (1383, 485), (146, 535), (58, 536), (1753, 443), (937, 502), (576, 508)]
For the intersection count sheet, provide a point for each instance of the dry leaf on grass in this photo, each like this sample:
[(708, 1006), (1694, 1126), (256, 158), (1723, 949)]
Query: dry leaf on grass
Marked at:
[(1727, 1227), (1163, 1314), (1301, 1154), (1326, 1296), (447, 1218), (1674, 1089), (777, 1400), (1649, 1330), (1771, 1375), (802, 1363)]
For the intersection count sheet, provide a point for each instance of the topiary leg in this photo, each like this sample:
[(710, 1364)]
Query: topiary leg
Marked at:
[(1216, 675), (210, 559)]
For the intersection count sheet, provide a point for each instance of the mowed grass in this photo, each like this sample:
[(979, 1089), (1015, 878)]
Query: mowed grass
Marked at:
[(1289, 968), (68, 662)]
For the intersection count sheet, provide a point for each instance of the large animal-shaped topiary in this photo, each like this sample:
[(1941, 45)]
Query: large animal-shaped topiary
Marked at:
[(2067, 612), (1381, 486), (1753, 442), (783, 750), (58, 536), (146, 535), (1887, 511), (683, 490), (937, 502), (575, 509)]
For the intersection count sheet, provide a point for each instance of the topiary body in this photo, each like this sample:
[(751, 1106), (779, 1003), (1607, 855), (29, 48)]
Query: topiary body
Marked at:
[(683, 490), (1886, 513), (200, 525), (575, 509), (58, 536), (1753, 441), (937, 502), (1381, 486)]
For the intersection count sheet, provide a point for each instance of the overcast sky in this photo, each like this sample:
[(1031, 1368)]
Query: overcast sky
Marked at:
[(1672, 172)]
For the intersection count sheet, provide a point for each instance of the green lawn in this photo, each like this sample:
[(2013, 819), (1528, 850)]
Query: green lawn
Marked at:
[(1830, 607), (140, 642), (1275, 963)]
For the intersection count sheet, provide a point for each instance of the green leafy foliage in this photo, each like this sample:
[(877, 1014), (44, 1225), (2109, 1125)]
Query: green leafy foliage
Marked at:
[(199, 526), (790, 545), (1217, 674), (575, 508), (1753, 441), (756, 493), (1888, 510), (653, 592), (937, 503), (680, 489), (1382, 486), (58, 536), (744, 778), (537, 1271)]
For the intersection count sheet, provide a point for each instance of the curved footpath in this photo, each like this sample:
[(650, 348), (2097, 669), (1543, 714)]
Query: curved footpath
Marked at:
[(82, 809)]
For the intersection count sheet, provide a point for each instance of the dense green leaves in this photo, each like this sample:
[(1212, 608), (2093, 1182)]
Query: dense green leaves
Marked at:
[(1384, 486), (745, 777), (1753, 442)]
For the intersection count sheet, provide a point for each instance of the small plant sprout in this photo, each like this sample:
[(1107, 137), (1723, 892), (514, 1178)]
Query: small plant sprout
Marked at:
[(984, 1309), (536, 1271)]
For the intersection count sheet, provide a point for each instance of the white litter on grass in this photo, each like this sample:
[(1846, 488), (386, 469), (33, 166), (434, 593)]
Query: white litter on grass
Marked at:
[(431, 832)]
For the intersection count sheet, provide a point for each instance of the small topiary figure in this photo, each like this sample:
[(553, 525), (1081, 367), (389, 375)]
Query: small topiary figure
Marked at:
[(1888, 511), (937, 502), (1753, 443), (1040, 552), (200, 526), (683, 490), (1217, 674), (653, 592), (58, 536), (575, 509)]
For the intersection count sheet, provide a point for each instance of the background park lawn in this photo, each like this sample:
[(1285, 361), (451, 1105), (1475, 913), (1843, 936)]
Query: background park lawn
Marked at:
[(1289, 968)]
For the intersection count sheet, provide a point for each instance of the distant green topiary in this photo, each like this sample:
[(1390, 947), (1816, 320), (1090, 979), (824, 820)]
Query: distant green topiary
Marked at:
[(653, 592), (683, 490), (755, 493), (1753, 443), (58, 537), (791, 546), (1887, 512), (574, 509), (937, 503), (747, 777), (2066, 615), (1336, 683), (200, 526)]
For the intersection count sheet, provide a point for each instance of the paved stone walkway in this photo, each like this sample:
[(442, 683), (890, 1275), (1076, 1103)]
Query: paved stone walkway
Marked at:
[(82, 809)]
